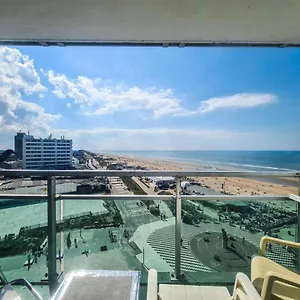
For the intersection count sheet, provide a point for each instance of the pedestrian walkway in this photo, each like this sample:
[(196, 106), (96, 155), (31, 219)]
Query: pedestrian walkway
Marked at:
[(118, 187), (151, 258), (163, 241), (164, 208)]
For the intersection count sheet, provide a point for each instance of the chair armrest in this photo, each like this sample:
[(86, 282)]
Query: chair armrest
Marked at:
[(271, 277), (266, 239), (240, 295), (243, 287), (152, 285)]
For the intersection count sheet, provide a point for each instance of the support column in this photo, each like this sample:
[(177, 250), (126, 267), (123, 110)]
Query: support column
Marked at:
[(178, 229), (298, 227), (51, 205)]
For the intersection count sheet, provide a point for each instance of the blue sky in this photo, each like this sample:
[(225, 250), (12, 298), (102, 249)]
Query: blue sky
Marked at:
[(153, 98)]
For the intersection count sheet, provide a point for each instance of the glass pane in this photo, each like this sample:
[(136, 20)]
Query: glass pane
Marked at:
[(223, 236), (158, 239), (23, 229), (114, 234), (284, 225)]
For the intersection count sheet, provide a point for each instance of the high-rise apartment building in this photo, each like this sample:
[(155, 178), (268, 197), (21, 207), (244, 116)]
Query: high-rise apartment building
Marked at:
[(46, 153), (19, 144)]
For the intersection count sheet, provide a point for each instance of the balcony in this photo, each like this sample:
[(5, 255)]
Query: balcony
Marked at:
[(50, 227)]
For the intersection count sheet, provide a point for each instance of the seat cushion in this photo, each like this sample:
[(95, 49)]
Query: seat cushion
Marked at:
[(260, 265), (192, 292)]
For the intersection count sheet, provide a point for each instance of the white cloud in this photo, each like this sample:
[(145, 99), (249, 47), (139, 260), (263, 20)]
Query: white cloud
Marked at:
[(18, 77), (236, 101), (68, 105), (65, 88), (17, 71), (100, 97), (107, 99)]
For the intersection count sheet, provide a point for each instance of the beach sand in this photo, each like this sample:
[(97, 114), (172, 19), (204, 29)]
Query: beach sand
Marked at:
[(235, 186)]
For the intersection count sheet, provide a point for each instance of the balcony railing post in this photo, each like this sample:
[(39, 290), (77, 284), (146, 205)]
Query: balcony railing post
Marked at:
[(178, 229), (52, 274), (298, 227)]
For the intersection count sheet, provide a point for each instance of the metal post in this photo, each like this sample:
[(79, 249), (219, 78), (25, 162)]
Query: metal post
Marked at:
[(52, 274), (178, 229), (298, 227), (62, 244)]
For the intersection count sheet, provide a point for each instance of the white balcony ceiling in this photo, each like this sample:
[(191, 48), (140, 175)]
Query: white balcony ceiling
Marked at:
[(168, 22)]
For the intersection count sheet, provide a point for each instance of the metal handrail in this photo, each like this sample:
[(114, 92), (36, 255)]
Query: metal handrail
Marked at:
[(70, 197), (142, 173), (25, 282)]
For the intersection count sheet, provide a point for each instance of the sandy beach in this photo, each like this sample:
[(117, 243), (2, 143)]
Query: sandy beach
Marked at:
[(235, 186)]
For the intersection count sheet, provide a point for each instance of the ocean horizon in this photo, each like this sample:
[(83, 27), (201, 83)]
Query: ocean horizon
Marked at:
[(246, 160)]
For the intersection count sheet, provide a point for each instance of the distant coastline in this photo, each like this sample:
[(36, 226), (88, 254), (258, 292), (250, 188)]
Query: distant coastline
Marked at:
[(178, 163), (237, 160)]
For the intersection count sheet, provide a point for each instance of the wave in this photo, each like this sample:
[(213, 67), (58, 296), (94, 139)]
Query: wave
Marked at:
[(260, 167), (212, 163), (220, 163)]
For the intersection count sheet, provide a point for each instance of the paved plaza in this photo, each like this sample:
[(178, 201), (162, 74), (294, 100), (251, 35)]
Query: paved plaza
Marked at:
[(158, 241), (223, 253)]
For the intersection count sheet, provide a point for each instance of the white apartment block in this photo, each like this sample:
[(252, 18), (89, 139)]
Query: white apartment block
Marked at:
[(47, 153)]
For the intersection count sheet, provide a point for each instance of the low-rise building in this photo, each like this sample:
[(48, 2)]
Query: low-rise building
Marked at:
[(162, 180), (75, 162)]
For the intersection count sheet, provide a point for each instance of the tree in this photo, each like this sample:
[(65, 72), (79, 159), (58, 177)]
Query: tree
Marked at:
[(187, 220), (154, 210), (6, 154), (69, 242), (117, 218)]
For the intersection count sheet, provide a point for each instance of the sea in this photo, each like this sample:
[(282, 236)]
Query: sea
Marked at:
[(242, 160)]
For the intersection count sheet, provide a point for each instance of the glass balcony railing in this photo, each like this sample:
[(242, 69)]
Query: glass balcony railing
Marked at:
[(23, 228), (54, 222), (228, 234)]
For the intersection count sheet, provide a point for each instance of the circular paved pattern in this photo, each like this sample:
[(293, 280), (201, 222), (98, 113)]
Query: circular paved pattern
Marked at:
[(208, 248)]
